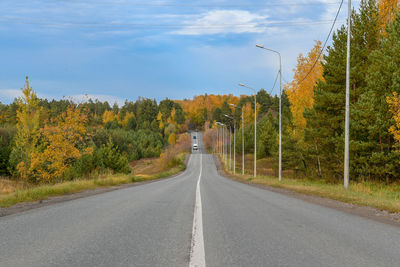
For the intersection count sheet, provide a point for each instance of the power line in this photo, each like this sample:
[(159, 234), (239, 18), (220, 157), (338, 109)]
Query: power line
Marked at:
[(323, 48), (276, 78)]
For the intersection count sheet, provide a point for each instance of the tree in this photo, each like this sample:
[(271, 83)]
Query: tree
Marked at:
[(301, 90), (27, 137), (325, 121), (108, 116), (394, 107), (172, 139), (64, 143), (374, 121)]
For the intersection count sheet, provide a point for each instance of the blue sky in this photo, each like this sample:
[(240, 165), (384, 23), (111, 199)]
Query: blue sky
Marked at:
[(122, 49)]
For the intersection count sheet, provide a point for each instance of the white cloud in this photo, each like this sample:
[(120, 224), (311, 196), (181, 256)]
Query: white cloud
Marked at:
[(109, 98), (224, 21), (8, 95)]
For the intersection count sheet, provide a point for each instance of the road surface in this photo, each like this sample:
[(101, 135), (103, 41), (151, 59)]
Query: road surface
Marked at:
[(154, 225)]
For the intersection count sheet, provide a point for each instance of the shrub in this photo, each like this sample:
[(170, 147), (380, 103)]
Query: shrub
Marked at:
[(113, 159), (6, 137)]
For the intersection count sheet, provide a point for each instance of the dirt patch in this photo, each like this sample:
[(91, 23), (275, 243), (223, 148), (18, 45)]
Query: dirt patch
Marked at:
[(363, 211), (145, 166)]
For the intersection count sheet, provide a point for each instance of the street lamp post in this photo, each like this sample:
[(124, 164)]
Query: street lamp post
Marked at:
[(230, 147), (255, 127), (234, 143), (242, 137), (280, 107), (223, 142)]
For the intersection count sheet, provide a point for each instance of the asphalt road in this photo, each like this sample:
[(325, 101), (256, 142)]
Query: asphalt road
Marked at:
[(153, 225)]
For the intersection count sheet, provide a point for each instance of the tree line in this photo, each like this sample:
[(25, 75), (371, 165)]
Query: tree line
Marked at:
[(50, 141)]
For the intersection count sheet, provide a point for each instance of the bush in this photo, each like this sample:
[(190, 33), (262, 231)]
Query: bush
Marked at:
[(6, 137), (113, 159), (133, 144), (173, 154), (86, 165)]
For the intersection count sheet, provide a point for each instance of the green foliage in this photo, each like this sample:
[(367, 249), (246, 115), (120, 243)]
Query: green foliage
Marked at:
[(268, 136), (133, 144), (113, 159), (6, 136), (325, 121)]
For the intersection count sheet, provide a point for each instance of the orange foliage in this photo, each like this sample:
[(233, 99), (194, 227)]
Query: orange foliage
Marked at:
[(301, 92), (387, 11), (194, 109), (210, 137), (108, 116)]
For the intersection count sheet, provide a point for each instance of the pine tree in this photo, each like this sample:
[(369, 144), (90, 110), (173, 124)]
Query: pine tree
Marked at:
[(325, 121), (381, 159)]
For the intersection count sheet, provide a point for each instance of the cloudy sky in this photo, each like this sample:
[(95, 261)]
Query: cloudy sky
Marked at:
[(122, 49)]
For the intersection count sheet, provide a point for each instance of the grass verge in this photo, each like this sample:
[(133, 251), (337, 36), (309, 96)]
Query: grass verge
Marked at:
[(42, 192), (373, 194)]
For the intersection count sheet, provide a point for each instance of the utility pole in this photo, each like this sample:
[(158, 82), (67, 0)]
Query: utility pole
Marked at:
[(347, 117), (216, 143)]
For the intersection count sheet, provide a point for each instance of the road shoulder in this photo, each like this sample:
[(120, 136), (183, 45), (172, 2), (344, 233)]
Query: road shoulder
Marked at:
[(25, 206), (382, 216)]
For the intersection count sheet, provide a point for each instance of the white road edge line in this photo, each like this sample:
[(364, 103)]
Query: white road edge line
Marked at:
[(197, 255)]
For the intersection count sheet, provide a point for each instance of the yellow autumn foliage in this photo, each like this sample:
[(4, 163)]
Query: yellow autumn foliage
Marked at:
[(64, 141), (27, 138), (300, 91), (394, 107), (108, 116), (387, 11)]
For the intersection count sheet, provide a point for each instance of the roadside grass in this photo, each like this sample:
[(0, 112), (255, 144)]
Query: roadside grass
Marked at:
[(18, 192), (378, 195)]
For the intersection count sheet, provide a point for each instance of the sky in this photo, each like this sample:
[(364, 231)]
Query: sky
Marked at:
[(124, 49)]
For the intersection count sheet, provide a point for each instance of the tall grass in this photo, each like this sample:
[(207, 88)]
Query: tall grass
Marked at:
[(367, 193)]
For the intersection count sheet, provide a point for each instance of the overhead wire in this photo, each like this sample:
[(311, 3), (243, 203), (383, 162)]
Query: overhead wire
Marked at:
[(323, 48), (276, 78)]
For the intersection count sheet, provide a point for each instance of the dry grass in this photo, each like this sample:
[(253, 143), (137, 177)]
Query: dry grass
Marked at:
[(145, 166), (373, 194), (41, 192), (8, 186), (13, 192)]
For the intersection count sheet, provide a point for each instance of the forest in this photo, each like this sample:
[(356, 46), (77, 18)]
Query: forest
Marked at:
[(58, 140)]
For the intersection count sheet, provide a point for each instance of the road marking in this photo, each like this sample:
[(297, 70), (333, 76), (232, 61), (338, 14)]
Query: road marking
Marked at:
[(197, 255)]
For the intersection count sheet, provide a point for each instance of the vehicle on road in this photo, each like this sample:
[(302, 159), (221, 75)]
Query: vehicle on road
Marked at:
[(195, 147), (194, 137)]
